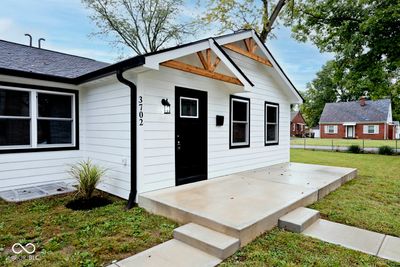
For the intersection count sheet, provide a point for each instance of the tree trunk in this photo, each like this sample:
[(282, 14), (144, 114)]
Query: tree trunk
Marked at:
[(268, 22)]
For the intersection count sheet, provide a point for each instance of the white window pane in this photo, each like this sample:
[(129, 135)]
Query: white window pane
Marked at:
[(15, 132), (271, 132), (189, 107), (239, 132), (54, 132), (240, 110), (54, 105), (272, 114), (14, 103)]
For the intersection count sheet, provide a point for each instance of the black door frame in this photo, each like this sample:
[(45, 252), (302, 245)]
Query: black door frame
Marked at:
[(205, 131)]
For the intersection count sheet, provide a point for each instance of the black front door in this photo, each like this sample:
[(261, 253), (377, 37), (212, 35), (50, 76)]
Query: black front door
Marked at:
[(190, 135)]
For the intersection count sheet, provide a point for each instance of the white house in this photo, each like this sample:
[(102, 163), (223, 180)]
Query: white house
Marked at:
[(192, 112)]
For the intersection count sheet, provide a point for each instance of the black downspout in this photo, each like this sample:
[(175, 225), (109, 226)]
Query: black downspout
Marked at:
[(132, 195)]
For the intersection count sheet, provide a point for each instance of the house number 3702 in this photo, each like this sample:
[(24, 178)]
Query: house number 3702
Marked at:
[(140, 102)]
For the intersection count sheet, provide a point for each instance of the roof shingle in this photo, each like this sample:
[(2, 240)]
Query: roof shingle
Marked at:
[(373, 111), (32, 59)]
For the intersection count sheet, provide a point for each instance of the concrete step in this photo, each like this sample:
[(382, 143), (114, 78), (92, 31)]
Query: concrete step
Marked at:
[(207, 240), (298, 220), (171, 253)]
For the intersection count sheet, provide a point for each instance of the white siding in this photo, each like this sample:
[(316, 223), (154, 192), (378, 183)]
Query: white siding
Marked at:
[(106, 132), (34, 168), (104, 127), (157, 167)]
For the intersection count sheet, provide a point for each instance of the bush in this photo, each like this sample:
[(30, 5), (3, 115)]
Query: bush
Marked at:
[(386, 150), (354, 149), (88, 176)]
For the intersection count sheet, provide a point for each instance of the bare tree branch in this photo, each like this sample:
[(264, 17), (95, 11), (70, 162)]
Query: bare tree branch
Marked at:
[(142, 25)]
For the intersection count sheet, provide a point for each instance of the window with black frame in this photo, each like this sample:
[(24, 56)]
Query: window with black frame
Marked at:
[(240, 122), (54, 122), (271, 123), (15, 118), (31, 119)]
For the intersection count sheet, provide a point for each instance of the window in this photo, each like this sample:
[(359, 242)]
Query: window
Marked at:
[(189, 107), (371, 129), (240, 122), (15, 120), (331, 129), (54, 122), (271, 123), (36, 119)]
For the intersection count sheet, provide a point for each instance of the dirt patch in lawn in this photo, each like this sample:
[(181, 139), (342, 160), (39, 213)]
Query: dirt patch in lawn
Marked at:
[(88, 204)]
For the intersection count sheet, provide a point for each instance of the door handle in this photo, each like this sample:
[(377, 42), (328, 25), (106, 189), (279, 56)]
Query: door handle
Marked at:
[(178, 145)]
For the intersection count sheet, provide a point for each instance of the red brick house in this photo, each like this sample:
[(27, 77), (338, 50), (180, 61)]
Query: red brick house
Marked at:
[(363, 119), (297, 124)]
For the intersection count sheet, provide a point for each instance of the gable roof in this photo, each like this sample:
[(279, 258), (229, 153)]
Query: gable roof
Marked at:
[(293, 114), (60, 67), (20, 57), (372, 111)]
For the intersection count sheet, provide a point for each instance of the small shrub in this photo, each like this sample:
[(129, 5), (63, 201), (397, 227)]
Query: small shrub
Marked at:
[(386, 150), (88, 176), (354, 149)]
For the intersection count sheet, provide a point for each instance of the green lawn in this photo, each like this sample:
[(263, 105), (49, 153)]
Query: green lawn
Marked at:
[(95, 238), (282, 248), (371, 201), (343, 142), (78, 238)]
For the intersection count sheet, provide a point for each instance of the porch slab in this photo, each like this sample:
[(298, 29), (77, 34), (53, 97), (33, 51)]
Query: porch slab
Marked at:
[(245, 205)]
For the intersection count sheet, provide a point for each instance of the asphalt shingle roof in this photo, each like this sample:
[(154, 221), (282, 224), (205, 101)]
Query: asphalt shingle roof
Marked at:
[(374, 111), (32, 59)]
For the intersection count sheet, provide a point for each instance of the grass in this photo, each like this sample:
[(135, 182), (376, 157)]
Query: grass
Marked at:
[(95, 238), (343, 142), (78, 238), (371, 201), (282, 248)]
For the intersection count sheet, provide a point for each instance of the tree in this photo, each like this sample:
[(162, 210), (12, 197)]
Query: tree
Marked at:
[(143, 25), (364, 36), (325, 88), (235, 15)]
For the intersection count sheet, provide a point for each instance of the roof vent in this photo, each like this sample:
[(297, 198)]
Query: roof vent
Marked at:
[(362, 101), (30, 39), (39, 42)]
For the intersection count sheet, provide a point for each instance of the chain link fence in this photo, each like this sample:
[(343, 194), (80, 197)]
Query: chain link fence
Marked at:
[(366, 145)]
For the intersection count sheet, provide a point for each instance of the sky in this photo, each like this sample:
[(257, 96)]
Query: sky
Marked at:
[(66, 26)]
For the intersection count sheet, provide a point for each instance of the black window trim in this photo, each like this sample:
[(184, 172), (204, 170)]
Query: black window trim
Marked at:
[(265, 123), (231, 146), (50, 147)]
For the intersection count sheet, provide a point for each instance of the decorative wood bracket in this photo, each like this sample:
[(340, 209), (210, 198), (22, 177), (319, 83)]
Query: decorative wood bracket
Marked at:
[(207, 62), (208, 68), (251, 47), (206, 72)]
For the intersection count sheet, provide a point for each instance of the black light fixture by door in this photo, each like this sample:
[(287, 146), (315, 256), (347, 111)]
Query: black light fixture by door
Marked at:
[(167, 106)]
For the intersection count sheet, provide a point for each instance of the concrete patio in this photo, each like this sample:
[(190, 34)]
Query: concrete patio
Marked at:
[(245, 205)]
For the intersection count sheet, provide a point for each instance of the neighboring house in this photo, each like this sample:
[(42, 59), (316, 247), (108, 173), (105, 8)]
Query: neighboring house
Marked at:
[(192, 112), (363, 119), (297, 124)]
